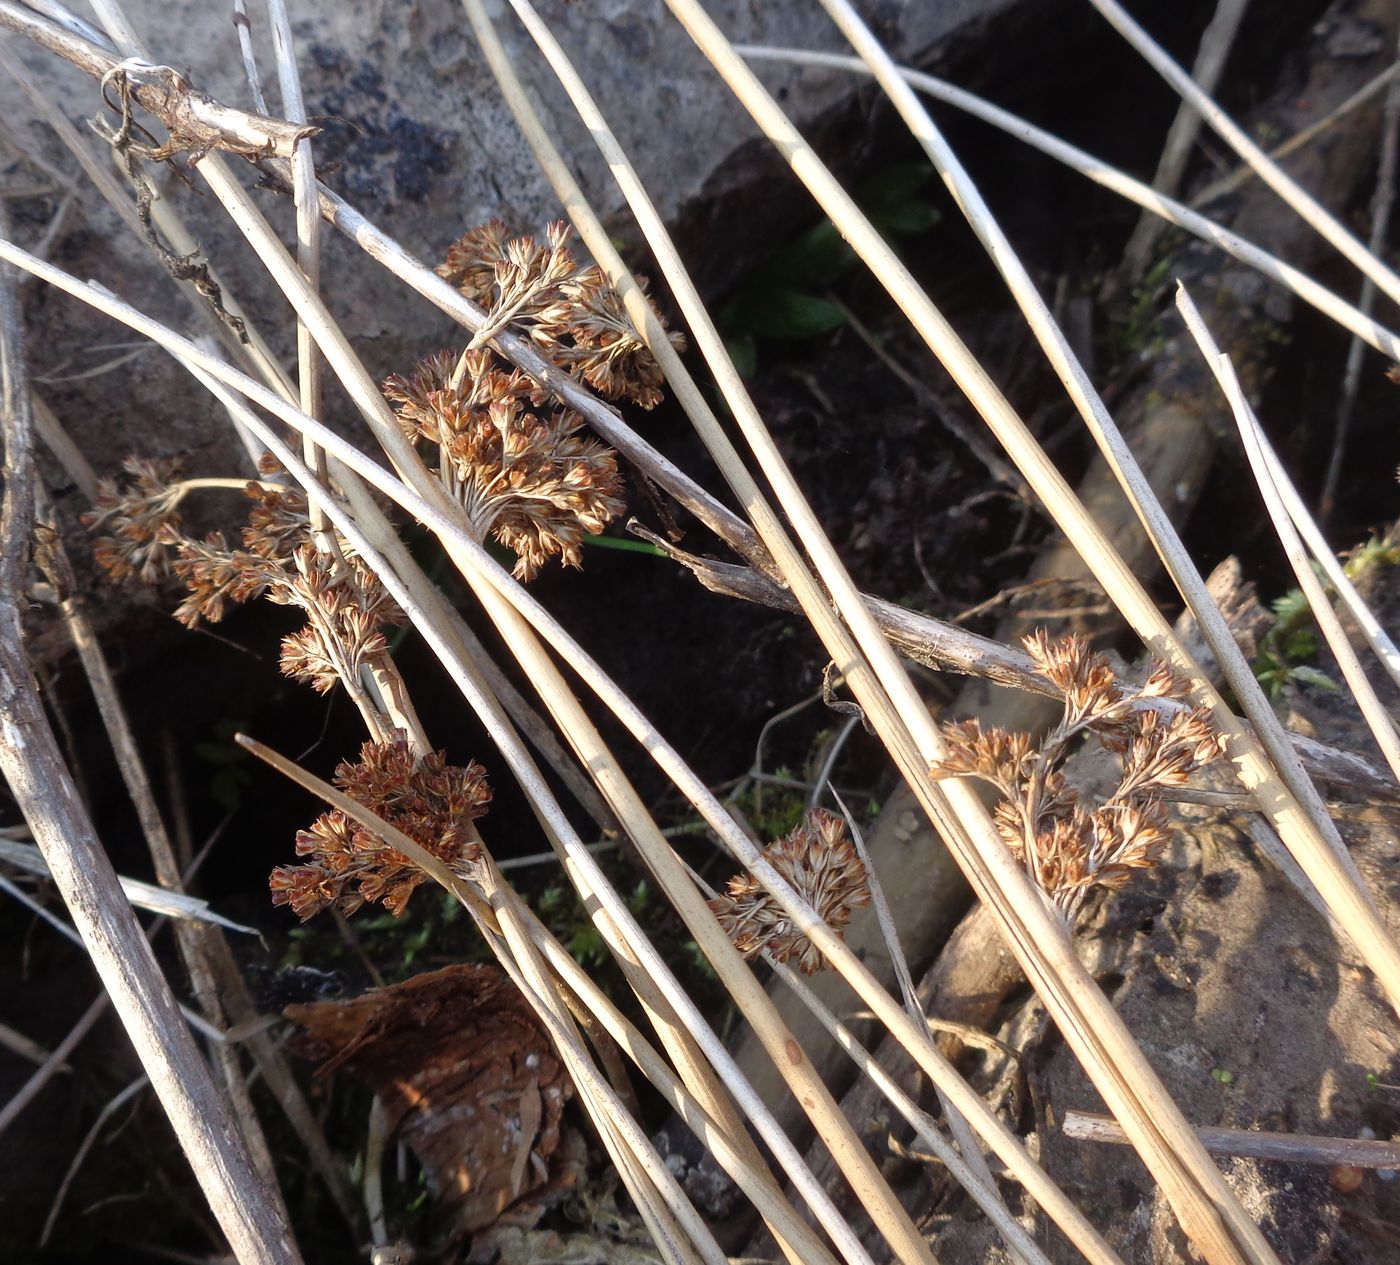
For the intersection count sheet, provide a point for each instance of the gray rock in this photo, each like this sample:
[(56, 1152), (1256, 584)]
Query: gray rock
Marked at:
[(415, 135)]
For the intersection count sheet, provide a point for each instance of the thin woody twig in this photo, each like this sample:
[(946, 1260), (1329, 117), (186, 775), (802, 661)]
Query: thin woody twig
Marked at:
[(195, 121), (56, 1062), (1282, 1148), (32, 765), (1216, 42)]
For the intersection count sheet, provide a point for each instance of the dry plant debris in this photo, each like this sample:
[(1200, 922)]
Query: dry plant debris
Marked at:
[(571, 311), (819, 860), (431, 801), (1066, 846), (468, 1080)]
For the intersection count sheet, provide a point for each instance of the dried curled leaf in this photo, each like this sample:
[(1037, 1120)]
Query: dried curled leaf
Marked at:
[(819, 860), (469, 1082), (429, 800)]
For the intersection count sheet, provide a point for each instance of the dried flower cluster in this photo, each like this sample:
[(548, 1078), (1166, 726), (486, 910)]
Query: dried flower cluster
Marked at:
[(572, 312), (431, 801), (141, 520), (522, 472), (819, 860), (1066, 846), (346, 607)]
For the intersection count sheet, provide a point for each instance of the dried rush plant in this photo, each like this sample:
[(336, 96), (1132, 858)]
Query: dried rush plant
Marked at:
[(550, 318), (517, 462), (504, 449)]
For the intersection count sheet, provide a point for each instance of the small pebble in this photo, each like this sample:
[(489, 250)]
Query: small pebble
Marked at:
[(1346, 1178)]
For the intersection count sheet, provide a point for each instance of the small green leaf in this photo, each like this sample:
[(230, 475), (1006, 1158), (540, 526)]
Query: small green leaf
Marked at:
[(908, 219), (896, 183), (1223, 1075), (587, 946), (227, 786), (820, 251), (1314, 676), (379, 922), (743, 352), (624, 544), (699, 962), (789, 314), (895, 201)]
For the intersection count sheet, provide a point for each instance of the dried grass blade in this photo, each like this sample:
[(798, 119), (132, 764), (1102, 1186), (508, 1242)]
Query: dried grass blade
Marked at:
[(215, 370), (1054, 969), (1374, 712), (1328, 302), (555, 823), (494, 916), (1313, 835), (1298, 198), (159, 900), (31, 763)]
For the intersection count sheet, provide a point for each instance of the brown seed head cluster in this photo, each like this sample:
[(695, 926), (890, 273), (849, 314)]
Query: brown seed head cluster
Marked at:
[(431, 801), (524, 473), (139, 519), (572, 312), (819, 860), (345, 605), (1067, 846)]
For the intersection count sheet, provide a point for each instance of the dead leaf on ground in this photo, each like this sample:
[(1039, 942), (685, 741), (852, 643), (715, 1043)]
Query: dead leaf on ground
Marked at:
[(468, 1079)]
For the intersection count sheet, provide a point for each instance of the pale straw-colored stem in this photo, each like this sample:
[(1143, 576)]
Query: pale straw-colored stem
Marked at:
[(192, 937), (1216, 42), (1321, 839), (1192, 1183), (551, 816), (983, 1191), (60, 443), (308, 216), (1299, 199), (1242, 175), (999, 1138), (1374, 712), (525, 968), (1376, 637), (1290, 800), (805, 1082), (967, 1141), (32, 765), (244, 26), (1382, 204), (1328, 302)]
